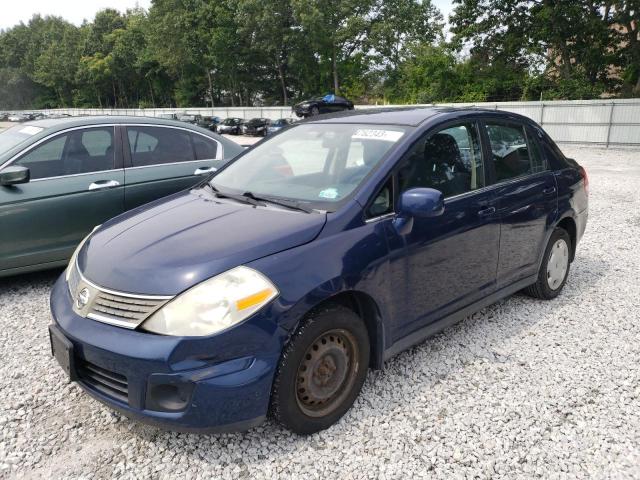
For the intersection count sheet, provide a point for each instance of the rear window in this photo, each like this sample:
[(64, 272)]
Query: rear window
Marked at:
[(158, 145), (513, 154), (205, 149)]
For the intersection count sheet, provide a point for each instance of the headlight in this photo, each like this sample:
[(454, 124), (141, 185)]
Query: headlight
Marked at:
[(74, 256), (214, 305)]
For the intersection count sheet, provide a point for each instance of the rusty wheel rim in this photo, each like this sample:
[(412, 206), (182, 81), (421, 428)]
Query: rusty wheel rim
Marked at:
[(327, 373)]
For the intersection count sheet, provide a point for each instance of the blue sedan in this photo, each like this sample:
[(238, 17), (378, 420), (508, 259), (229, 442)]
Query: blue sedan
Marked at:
[(271, 287)]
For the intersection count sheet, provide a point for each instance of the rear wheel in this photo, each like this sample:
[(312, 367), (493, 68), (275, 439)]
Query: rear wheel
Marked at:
[(321, 371), (555, 267)]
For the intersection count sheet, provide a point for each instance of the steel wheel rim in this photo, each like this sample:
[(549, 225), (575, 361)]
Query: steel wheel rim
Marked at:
[(327, 373), (558, 264)]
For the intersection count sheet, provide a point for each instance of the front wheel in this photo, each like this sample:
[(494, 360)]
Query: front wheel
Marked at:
[(315, 111), (321, 370), (555, 267)]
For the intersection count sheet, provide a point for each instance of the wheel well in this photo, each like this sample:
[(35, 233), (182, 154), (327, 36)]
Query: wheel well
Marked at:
[(569, 225), (366, 308)]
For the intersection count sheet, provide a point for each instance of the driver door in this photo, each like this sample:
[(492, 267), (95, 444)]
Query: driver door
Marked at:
[(447, 262), (75, 184)]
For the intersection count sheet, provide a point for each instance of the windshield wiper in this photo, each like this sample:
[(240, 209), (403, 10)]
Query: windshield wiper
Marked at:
[(238, 198), (283, 203)]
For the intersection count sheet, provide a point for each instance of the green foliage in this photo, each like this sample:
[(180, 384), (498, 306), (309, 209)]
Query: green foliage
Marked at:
[(250, 52)]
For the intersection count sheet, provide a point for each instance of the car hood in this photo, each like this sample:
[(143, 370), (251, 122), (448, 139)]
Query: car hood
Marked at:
[(168, 246)]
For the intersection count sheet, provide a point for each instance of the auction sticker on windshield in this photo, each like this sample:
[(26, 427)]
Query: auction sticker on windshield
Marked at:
[(377, 134)]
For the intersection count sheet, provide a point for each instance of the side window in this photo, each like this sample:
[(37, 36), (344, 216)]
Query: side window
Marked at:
[(158, 145), (79, 151), (449, 160), (205, 149), (382, 202), (512, 156), (538, 161)]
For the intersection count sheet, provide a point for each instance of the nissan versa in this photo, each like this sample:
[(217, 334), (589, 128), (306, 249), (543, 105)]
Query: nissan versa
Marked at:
[(272, 286)]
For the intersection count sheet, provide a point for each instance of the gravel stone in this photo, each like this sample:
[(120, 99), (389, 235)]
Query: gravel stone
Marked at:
[(522, 389)]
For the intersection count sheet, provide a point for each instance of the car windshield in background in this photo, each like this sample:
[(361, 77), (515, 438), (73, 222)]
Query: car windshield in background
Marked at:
[(315, 163), (14, 136)]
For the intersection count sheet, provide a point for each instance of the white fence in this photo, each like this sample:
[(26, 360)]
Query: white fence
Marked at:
[(597, 122)]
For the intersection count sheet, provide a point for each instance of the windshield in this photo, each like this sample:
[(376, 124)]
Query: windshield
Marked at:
[(16, 135), (230, 121), (321, 164)]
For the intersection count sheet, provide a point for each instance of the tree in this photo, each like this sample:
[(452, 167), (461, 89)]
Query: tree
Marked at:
[(337, 29)]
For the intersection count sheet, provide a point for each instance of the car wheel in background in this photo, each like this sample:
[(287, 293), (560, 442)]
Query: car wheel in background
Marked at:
[(315, 111), (321, 370), (554, 269)]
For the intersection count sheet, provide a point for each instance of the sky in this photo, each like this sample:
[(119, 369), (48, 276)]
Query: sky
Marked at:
[(76, 11)]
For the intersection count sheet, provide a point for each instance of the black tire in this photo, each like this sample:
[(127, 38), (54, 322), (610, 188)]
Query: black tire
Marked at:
[(314, 111), (542, 288), (317, 380)]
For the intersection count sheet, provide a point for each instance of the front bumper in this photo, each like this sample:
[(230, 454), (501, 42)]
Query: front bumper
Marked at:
[(218, 383), (301, 111)]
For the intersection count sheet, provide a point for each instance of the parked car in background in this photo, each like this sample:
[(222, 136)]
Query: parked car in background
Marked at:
[(256, 127), (210, 123), (277, 125), (17, 117), (56, 115), (193, 119), (167, 116), (328, 248), (230, 126), (60, 178), (327, 104)]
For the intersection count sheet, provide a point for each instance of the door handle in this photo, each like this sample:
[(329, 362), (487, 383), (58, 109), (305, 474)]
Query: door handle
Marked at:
[(485, 212), (102, 184), (204, 170), (549, 190)]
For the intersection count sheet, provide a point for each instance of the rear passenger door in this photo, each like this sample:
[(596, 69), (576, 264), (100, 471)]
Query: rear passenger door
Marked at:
[(527, 198), (163, 160)]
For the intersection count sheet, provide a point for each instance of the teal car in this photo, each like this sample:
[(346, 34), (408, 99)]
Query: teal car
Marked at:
[(59, 178)]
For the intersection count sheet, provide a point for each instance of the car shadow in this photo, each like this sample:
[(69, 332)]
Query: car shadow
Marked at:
[(41, 279), (481, 337)]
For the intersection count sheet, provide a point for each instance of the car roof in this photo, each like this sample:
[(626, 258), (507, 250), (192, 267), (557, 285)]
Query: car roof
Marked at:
[(409, 116), (51, 126), (70, 122)]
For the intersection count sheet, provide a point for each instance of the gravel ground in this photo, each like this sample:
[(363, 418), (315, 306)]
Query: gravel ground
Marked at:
[(522, 389)]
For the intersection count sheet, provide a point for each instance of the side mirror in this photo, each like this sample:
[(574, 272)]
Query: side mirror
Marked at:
[(13, 175), (421, 203)]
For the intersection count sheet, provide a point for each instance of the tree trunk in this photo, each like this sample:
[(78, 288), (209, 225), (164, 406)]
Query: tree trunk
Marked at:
[(334, 62), (153, 101), (115, 96), (285, 99), (210, 86), (60, 97)]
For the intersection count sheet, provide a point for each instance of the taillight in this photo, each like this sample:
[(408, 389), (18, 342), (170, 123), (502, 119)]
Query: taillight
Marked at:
[(583, 172)]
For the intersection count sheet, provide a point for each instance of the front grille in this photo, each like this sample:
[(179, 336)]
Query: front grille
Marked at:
[(118, 308), (126, 310), (104, 381)]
